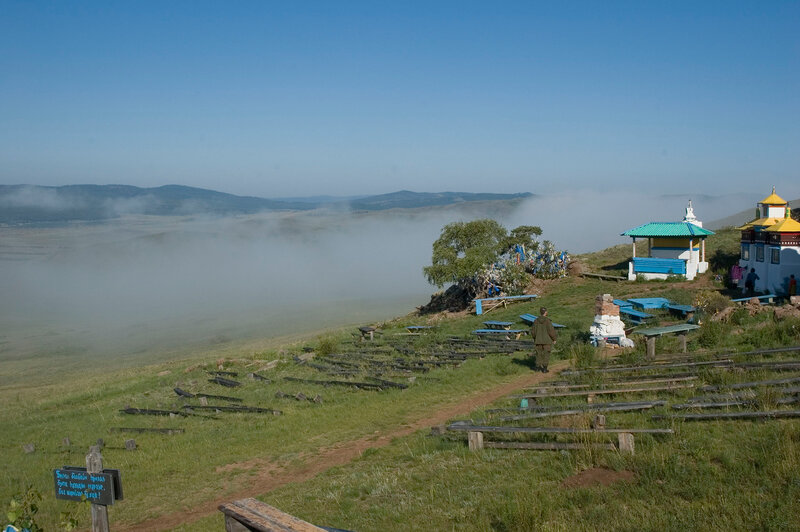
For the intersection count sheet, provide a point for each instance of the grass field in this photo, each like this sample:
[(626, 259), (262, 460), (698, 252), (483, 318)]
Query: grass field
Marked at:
[(707, 475)]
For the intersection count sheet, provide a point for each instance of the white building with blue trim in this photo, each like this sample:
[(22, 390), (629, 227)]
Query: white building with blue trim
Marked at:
[(675, 248), (771, 246)]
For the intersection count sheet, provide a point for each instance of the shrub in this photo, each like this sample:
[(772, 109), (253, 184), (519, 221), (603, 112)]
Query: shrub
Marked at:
[(712, 334), (711, 301), (582, 355), (326, 344)]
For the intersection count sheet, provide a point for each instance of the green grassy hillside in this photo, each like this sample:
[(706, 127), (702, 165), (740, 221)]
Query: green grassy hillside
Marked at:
[(707, 475)]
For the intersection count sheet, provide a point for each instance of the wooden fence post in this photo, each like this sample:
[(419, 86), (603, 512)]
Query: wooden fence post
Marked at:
[(94, 464), (626, 442), (475, 440), (651, 347), (682, 342)]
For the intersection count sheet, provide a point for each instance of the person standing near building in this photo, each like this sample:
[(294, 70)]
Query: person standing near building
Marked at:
[(750, 281), (544, 337), (792, 286)]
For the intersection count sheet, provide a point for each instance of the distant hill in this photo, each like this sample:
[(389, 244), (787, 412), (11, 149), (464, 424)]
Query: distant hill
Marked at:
[(741, 218), (25, 204), (405, 199), (32, 204)]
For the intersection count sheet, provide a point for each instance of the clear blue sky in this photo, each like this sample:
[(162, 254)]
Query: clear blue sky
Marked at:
[(299, 98)]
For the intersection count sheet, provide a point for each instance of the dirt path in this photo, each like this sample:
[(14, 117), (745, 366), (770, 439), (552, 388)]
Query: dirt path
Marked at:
[(271, 477)]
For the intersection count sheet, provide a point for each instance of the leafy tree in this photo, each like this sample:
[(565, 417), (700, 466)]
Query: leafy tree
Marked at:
[(465, 249)]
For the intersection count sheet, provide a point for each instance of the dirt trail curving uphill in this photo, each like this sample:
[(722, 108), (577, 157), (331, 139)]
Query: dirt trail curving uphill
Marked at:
[(271, 476)]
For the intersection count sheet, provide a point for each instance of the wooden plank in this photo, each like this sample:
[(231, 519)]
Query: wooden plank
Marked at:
[(752, 384), (715, 363), (256, 515), (539, 446), (604, 276), (275, 516), (565, 387), (551, 430), (732, 415), (728, 404), (594, 407), (140, 430), (605, 391)]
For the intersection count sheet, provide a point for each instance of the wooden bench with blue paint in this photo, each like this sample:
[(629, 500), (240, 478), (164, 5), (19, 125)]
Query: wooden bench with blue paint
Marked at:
[(494, 302), (766, 299), (530, 318), (645, 303), (635, 316), (680, 329), (621, 303), (505, 325), (417, 329), (508, 333), (657, 265)]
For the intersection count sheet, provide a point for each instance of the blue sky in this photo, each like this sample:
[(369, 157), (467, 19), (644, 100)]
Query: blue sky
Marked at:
[(282, 99)]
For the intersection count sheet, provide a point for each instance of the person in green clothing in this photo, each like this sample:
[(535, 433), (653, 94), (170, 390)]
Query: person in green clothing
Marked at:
[(544, 337)]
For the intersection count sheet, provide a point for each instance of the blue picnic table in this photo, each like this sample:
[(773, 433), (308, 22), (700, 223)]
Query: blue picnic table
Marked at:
[(530, 318), (621, 303), (649, 302)]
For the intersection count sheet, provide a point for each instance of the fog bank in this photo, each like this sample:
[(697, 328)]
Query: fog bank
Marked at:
[(131, 286)]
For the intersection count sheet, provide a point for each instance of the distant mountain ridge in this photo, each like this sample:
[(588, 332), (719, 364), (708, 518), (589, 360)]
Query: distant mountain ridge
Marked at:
[(405, 199), (24, 204)]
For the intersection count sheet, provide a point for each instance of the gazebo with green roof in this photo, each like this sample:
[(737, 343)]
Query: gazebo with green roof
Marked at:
[(676, 248)]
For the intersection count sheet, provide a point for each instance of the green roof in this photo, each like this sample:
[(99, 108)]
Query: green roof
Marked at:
[(667, 229)]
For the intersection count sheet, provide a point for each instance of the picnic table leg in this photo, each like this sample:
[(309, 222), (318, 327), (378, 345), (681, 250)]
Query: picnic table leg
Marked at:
[(682, 339), (478, 307), (651, 347)]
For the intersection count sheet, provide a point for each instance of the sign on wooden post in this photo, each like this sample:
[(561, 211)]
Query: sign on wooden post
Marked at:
[(92, 483)]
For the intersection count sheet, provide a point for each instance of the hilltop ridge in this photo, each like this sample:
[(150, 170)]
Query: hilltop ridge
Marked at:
[(25, 204)]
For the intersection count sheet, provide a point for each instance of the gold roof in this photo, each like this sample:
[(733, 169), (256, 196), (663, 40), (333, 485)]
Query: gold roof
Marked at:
[(773, 199), (787, 225), (760, 222)]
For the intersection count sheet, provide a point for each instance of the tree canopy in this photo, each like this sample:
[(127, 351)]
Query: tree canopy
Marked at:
[(465, 249)]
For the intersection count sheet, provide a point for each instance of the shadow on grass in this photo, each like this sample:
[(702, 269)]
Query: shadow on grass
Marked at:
[(527, 362)]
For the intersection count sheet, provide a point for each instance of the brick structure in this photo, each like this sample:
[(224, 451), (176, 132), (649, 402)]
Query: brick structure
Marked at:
[(604, 306)]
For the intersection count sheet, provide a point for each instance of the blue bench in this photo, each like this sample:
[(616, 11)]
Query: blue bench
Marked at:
[(766, 299), (649, 302), (530, 318), (508, 333), (498, 324), (502, 300), (621, 303), (418, 328), (635, 316), (655, 265)]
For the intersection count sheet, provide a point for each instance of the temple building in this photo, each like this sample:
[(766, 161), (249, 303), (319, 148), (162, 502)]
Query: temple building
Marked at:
[(676, 248), (771, 246)]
